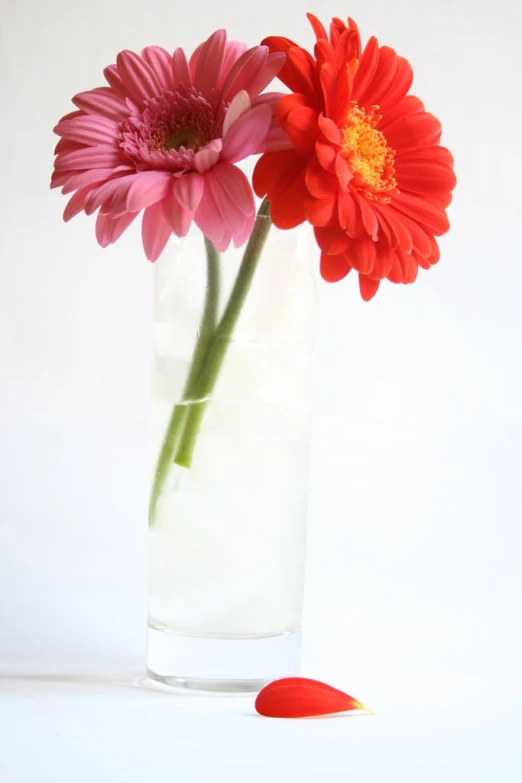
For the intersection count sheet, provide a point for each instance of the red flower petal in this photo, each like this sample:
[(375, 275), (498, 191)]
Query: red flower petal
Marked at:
[(348, 46), (318, 181), (363, 255), (399, 88), (367, 67), (342, 171), (424, 155), (325, 53), (301, 65), (298, 73), (326, 155), (349, 214), (317, 27), (328, 77), (329, 129), (299, 697), (369, 217), (288, 103), (319, 212), (384, 259), (301, 127), (275, 171), (413, 130), (332, 239), (383, 78), (368, 287), (421, 210), (334, 268), (287, 208), (422, 176), (409, 105)]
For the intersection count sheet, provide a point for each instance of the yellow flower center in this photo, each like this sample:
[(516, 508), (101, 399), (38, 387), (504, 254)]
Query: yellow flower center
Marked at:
[(367, 152)]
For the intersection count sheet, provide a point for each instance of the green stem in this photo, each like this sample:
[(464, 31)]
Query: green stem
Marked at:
[(222, 336), (180, 412)]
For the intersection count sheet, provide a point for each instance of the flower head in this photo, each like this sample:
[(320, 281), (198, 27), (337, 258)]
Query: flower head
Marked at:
[(164, 137), (365, 166)]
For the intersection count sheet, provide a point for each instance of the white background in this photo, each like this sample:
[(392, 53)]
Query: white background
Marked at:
[(414, 584)]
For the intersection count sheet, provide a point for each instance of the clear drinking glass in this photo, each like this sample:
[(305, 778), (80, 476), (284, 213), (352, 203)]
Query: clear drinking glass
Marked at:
[(227, 541)]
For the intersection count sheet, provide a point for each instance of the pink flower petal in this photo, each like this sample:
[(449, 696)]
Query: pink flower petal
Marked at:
[(264, 76), (103, 229), (155, 231), (194, 59), (247, 134), (224, 243), (102, 101), (210, 62), (160, 62), (112, 75), (180, 69), (109, 229), (208, 217), (233, 51), (207, 157), (89, 177), (148, 188), (102, 157), (60, 178), (72, 115), (121, 224), (138, 78), (239, 105), (244, 71), (231, 190), (178, 217), (88, 130), (233, 217), (104, 193), (64, 146), (242, 236), (115, 204), (276, 139), (235, 185), (188, 191), (76, 203), (254, 70), (271, 98)]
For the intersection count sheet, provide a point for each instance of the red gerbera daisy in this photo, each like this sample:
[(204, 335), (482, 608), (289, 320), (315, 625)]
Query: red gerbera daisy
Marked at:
[(365, 166)]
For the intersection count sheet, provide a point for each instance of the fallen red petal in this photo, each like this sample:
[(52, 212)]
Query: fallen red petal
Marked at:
[(299, 697)]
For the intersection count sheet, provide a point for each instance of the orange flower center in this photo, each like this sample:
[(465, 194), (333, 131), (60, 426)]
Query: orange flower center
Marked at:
[(367, 152)]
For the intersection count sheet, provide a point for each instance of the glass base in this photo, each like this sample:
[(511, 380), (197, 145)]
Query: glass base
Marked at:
[(220, 664), (208, 686)]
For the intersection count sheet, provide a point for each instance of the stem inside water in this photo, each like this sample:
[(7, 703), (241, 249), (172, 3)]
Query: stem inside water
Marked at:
[(180, 412), (206, 382)]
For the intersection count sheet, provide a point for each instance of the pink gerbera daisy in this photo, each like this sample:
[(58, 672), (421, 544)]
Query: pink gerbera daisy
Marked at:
[(164, 138)]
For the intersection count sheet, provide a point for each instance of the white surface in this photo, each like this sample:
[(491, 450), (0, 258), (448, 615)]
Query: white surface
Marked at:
[(105, 728), (414, 580)]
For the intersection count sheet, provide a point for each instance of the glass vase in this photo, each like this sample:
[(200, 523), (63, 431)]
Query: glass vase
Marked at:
[(230, 463)]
